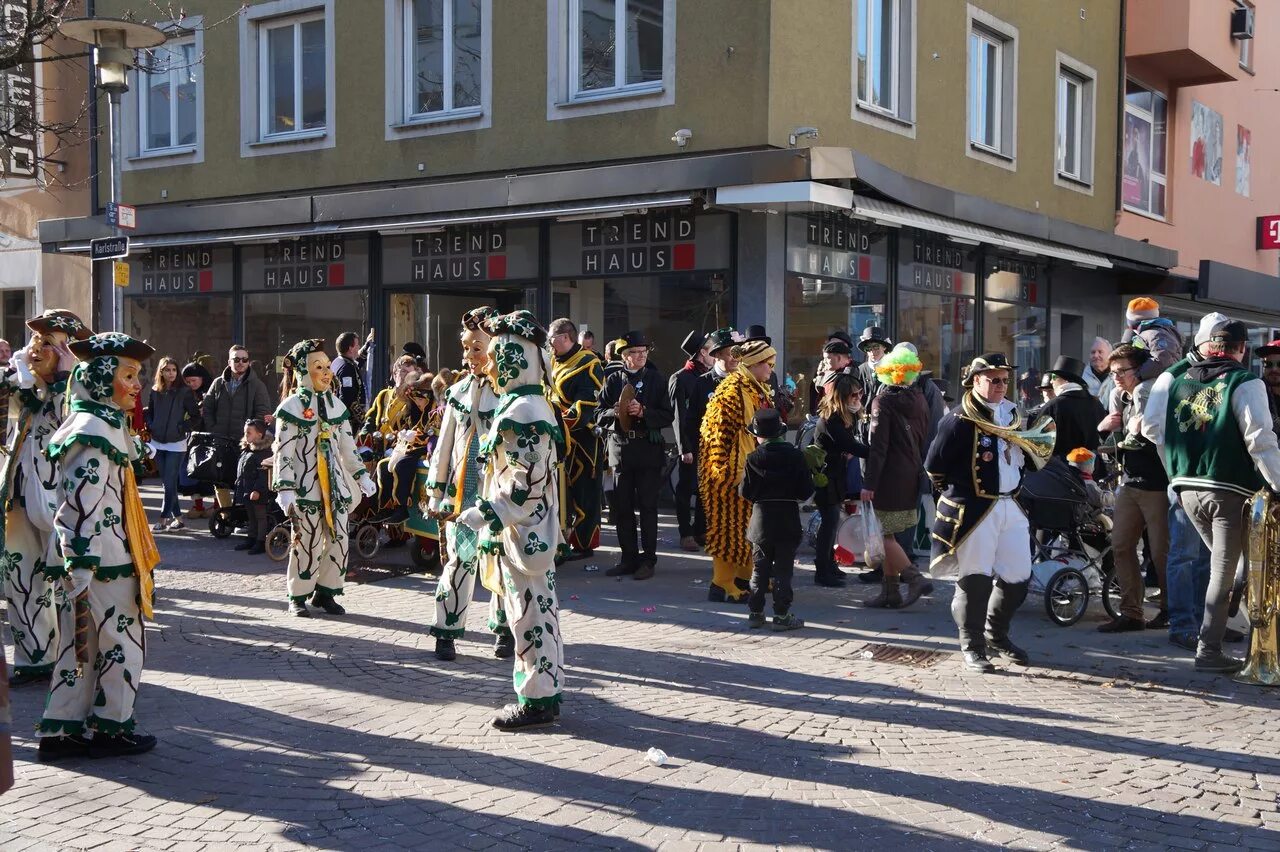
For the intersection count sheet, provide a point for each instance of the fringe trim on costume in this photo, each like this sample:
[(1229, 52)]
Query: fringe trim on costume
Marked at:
[(109, 727), (54, 452)]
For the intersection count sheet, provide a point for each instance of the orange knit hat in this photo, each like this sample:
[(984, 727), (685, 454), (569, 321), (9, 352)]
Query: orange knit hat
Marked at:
[(1142, 308)]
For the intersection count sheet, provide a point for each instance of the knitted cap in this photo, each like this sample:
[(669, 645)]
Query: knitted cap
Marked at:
[(1079, 455), (1142, 308), (753, 352)]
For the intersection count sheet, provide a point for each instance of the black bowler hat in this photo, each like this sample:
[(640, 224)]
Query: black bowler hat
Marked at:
[(414, 350), (632, 340), (983, 363), (767, 423), (1066, 367), (693, 343), (756, 332), (723, 338), (837, 347), (874, 334)]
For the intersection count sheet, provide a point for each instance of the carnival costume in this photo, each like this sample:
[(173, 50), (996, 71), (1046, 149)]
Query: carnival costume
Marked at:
[(722, 457), (518, 516), (980, 529), (576, 380), (108, 557), (315, 477), (453, 484), (29, 497)]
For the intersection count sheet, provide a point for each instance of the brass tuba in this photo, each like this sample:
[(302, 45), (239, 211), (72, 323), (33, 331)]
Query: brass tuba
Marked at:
[(1262, 590), (1037, 442)]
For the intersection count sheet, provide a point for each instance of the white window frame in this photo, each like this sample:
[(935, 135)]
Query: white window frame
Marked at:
[(254, 23), (1086, 79), (991, 29), (402, 123), (900, 118), (144, 121), (1246, 44), (1152, 176), (295, 24), (137, 157), (565, 100)]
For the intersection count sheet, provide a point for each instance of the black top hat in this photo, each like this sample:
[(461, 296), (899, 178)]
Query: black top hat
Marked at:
[(723, 338), (632, 340), (767, 423), (693, 343), (57, 319), (756, 332), (111, 343), (413, 350), (874, 334), (983, 363), (1066, 367), (1046, 381), (837, 347)]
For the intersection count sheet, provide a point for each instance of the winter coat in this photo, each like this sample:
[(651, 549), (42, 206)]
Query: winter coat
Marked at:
[(775, 482), (682, 387), (899, 430), (1160, 337), (644, 445), (1076, 415), (171, 413), (348, 381), (251, 476), (225, 412), (836, 440)]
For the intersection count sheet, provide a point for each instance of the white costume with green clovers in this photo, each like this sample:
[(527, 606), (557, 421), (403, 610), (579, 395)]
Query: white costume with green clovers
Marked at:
[(518, 513)]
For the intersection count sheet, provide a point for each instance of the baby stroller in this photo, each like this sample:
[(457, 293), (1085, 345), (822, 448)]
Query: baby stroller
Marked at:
[(224, 521), (1071, 544)]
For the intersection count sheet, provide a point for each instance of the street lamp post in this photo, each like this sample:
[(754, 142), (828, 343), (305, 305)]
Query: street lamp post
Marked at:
[(114, 42)]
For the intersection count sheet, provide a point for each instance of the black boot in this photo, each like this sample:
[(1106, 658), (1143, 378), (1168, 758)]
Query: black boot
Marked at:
[(16, 680), (875, 575), (53, 749), (120, 745), (325, 601), (514, 717), (969, 609), (299, 609), (504, 646), (445, 650), (1005, 601), (259, 548)]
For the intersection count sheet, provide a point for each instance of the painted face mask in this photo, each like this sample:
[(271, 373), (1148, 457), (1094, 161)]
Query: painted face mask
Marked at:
[(319, 372), (126, 385), (475, 351), (44, 351)]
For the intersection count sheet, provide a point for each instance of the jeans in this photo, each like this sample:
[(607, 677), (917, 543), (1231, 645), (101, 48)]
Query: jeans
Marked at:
[(774, 561), (1218, 517), (1135, 511), (169, 463), (824, 559), (1187, 574)]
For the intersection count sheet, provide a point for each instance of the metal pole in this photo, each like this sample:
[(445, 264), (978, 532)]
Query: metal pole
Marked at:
[(117, 157)]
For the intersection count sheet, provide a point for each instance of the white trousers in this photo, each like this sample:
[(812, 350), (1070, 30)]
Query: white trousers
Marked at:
[(999, 546), (33, 616), (317, 561)]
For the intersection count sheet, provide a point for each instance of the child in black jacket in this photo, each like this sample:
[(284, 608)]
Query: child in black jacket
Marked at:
[(776, 481), (252, 484)]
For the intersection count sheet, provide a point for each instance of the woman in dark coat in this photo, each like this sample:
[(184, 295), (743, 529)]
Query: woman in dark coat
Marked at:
[(839, 413), (169, 415), (197, 379)]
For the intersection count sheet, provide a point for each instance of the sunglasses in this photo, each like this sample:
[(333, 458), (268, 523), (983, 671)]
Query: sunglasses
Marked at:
[(238, 360), (998, 380)]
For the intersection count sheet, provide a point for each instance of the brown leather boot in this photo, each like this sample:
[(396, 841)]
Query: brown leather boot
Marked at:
[(889, 598), (918, 585)]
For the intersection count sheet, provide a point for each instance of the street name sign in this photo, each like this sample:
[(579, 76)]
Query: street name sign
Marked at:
[(109, 248)]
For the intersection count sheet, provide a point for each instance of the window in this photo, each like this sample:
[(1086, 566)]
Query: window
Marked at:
[(286, 77), (167, 100), (1074, 137), (609, 55), (292, 76), (1143, 181), (1246, 46), (992, 85), (443, 53), (884, 48)]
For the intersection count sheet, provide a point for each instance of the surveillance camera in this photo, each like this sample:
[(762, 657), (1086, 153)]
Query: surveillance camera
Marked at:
[(682, 136), (803, 133)]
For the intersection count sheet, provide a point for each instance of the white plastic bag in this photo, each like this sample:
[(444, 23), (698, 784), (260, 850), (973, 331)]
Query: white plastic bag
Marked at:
[(873, 536)]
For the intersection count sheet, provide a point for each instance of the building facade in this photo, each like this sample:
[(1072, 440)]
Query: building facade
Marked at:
[(943, 169)]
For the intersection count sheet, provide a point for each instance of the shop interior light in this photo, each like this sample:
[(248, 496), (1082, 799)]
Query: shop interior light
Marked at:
[(590, 217), (965, 241)]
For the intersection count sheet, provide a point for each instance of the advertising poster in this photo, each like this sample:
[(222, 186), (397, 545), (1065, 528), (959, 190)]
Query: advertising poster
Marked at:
[(1206, 143), (1244, 146), (1137, 161)]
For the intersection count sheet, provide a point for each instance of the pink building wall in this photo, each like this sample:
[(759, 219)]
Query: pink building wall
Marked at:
[(1205, 221)]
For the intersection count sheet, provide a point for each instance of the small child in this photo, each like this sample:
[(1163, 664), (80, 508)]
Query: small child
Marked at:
[(252, 484), (776, 482), (1082, 460)]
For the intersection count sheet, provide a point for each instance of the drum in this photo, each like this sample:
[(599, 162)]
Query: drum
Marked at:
[(850, 540)]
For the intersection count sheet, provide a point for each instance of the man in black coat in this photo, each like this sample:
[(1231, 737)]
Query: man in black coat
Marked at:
[(682, 388), (1075, 412), (636, 451), (719, 347), (234, 397), (348, 372)]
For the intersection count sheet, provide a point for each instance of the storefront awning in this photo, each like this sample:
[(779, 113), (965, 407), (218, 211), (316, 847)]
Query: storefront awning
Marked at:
[(812, 196), (596, 209)]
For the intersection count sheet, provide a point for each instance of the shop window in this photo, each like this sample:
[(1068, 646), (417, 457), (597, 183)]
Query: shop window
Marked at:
[(13, 323), (942, 329), (1075, 122), (1143, 181), (884, 49), (431, 320), (275, 321), (992, 88), (287, 76), (438, 65), (167, 117), (180, 327), (606, 51)]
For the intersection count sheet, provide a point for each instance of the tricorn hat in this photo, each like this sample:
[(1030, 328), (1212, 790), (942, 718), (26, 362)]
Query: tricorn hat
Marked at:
[(1066, 367), (983, 363), (874, 334), (693, 343), (767, 423), (56, 319), (113, 344)]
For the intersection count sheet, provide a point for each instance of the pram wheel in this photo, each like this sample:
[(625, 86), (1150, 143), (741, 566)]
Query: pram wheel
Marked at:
[(1111, 593), (220, 523), (367, 541), (1066, 597), (278, 542), (425, 554)]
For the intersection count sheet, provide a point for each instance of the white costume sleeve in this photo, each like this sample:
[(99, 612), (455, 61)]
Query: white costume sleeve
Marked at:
[(1249, 405), (1153, 416)]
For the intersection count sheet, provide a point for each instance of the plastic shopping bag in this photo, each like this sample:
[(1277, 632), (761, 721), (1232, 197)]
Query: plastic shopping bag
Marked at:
[(873, 536)]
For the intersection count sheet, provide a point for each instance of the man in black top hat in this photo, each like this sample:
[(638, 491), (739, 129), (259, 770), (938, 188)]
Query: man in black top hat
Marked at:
[(873, 343), (1075, 412), (682, 388), (636, 451)]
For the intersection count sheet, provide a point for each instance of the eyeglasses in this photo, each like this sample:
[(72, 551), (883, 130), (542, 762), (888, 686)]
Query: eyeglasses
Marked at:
[(239, 360), (1271, 365), (998, 380), (1122, 371)]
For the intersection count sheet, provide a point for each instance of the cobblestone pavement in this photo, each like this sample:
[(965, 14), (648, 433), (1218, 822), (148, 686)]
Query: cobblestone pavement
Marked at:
[(346, 733)]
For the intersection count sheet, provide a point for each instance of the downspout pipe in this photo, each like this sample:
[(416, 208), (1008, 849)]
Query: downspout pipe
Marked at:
[(1122, 84)]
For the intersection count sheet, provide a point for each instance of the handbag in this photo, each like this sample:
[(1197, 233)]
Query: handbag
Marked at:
[(212, 458)]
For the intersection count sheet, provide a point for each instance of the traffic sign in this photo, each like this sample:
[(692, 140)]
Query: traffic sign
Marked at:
[(108, 248), (122, 215), (120, 270)]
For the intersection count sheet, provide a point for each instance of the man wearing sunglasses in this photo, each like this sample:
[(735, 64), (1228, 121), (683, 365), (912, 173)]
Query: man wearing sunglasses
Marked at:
[(1270, 356), (234, 397)]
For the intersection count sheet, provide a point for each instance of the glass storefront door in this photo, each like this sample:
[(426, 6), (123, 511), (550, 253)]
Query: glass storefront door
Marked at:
[(180, 327), (274, 321), (942, 329), (434, 319)]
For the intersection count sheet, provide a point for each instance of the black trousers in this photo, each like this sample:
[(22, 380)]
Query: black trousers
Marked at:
[(824, 558), (776, 561), (636, 491), (256, 521), (689, 514), (395, 485)]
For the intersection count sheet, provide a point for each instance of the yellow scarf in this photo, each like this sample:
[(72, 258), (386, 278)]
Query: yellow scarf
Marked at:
[(322, 476), (142, 547)]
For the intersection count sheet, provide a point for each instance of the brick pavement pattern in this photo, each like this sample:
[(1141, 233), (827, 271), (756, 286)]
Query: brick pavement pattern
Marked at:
[(346, 733)]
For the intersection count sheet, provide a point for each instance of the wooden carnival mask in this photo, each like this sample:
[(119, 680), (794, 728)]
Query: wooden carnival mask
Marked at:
[(475, 351), (320, 373), (45, 352), (126, 385)]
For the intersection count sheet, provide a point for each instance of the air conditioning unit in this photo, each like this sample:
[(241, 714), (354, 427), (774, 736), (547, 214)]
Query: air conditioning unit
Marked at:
[(1242, 23)]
